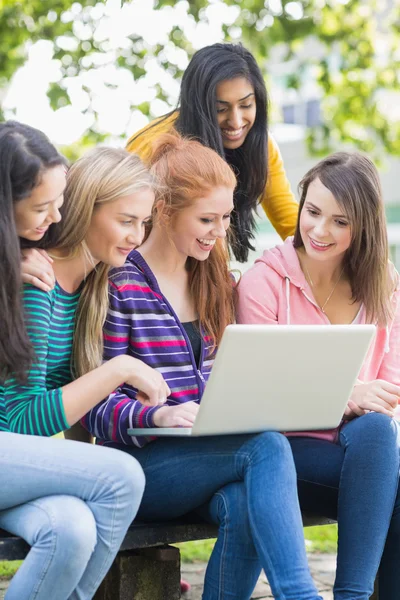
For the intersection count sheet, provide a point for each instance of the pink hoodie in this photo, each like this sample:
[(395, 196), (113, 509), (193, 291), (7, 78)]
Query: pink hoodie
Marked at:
[(275, 291)]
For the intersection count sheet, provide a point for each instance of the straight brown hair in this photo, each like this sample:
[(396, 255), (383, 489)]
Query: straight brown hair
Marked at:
[(353, 180)]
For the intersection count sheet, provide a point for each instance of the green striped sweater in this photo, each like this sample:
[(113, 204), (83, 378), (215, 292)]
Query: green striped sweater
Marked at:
[(36, 407)]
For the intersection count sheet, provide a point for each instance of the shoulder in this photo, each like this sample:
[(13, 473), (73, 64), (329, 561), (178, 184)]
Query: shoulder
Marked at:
[(259, 280), (394, 282), (130, 284), (35, 299), (141, 141), (394, 276), (38, 310), (396, 296), (126, 274), (274, 154)]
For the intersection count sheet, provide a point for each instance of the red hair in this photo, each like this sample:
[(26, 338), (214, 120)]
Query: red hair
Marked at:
[(186, 170)]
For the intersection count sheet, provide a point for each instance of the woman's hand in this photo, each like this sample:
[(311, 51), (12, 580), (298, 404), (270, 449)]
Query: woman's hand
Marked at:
[(151, 386), (37, 269), (181, 415), (378, 396)]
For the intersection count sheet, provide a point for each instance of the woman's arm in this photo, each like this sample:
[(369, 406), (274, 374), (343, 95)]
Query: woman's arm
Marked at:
[(377, 396), (278, 200), (33, 409), (383, 393), (29, 407), (111, 419), (389, 369), (81, 395)]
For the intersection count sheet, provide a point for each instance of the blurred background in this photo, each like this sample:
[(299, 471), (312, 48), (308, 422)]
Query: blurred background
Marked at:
[(97, 71)]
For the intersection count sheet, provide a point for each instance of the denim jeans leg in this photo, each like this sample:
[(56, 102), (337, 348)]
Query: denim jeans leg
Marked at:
[(356, 481), (62, 533), (109, 482), (367, 492), (318, 465), (234, 549), (389, 571), (182, 474)]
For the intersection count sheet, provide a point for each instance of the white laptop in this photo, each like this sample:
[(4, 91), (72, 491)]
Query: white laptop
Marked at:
[(282, 378)]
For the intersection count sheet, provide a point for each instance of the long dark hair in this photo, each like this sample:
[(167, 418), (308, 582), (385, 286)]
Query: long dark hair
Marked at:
[(353, 180), (25, 153), (198, 118)]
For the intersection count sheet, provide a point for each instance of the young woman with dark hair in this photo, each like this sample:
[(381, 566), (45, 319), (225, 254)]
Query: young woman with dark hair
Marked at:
[(71, 502), (336, 270), (223, 104), (25, 156), (169, 305)]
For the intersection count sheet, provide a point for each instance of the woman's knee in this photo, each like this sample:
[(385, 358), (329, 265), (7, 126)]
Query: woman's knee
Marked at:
[(124, 477), (272, 444), (229, 505), (372, 429), (67, 525)]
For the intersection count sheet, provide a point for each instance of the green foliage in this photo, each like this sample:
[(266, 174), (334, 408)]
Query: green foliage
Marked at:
[(88, 140), (8, 568), (322, 538), (198, 551), (350, 66), (318, 539)]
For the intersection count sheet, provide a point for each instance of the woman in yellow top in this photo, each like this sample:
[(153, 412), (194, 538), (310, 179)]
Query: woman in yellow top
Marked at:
[(223, 103)]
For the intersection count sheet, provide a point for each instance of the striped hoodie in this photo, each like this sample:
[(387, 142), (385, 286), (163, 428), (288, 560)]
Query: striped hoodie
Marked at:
[(141, 322)]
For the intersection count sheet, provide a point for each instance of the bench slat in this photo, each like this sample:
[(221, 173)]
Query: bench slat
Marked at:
[(12, 548), (145, 535)]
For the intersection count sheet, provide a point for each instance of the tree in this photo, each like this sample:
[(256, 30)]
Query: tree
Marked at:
[(357, 66)]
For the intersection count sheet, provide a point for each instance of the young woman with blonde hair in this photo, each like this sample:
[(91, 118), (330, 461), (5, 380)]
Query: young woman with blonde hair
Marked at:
[(169, 305), (336, 270), (71, 502)]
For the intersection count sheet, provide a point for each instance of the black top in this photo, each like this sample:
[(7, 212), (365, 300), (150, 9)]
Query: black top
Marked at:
[(194, 336)]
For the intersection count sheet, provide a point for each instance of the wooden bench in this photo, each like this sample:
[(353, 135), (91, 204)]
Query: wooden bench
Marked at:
[(147, 567)]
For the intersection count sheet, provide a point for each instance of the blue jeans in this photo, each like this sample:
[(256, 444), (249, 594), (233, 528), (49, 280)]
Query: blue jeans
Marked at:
[(259, 509), (72, 503), (356, 481)]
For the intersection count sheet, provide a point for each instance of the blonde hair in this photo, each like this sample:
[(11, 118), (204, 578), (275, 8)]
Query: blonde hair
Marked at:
[(101, 175)]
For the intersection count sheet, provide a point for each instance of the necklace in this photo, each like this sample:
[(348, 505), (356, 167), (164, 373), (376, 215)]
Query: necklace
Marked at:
[(332, 290)]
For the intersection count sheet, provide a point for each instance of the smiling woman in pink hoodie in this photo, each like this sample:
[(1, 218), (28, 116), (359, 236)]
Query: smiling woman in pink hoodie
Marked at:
[(336, 270)]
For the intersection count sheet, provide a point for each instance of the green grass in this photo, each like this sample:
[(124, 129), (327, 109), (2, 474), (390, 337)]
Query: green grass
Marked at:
[(198, 551), (318, 539), (321, 538), (8, 568)]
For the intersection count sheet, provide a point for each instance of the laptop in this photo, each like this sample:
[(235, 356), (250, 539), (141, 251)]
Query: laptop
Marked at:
[(280, 378)]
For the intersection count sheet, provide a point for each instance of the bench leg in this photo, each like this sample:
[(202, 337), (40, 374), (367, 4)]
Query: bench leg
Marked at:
[(147, 574)]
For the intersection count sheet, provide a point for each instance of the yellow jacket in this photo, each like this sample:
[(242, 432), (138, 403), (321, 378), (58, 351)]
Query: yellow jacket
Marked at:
[(277, 200)]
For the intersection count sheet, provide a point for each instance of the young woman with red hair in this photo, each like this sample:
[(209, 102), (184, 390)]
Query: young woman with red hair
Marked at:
[(169, 305)]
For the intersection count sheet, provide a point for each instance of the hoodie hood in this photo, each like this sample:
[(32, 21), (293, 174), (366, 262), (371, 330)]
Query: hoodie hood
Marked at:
[(284, 261), (275, 292)]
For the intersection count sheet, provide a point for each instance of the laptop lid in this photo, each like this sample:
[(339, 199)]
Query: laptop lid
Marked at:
[(284, 378)]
